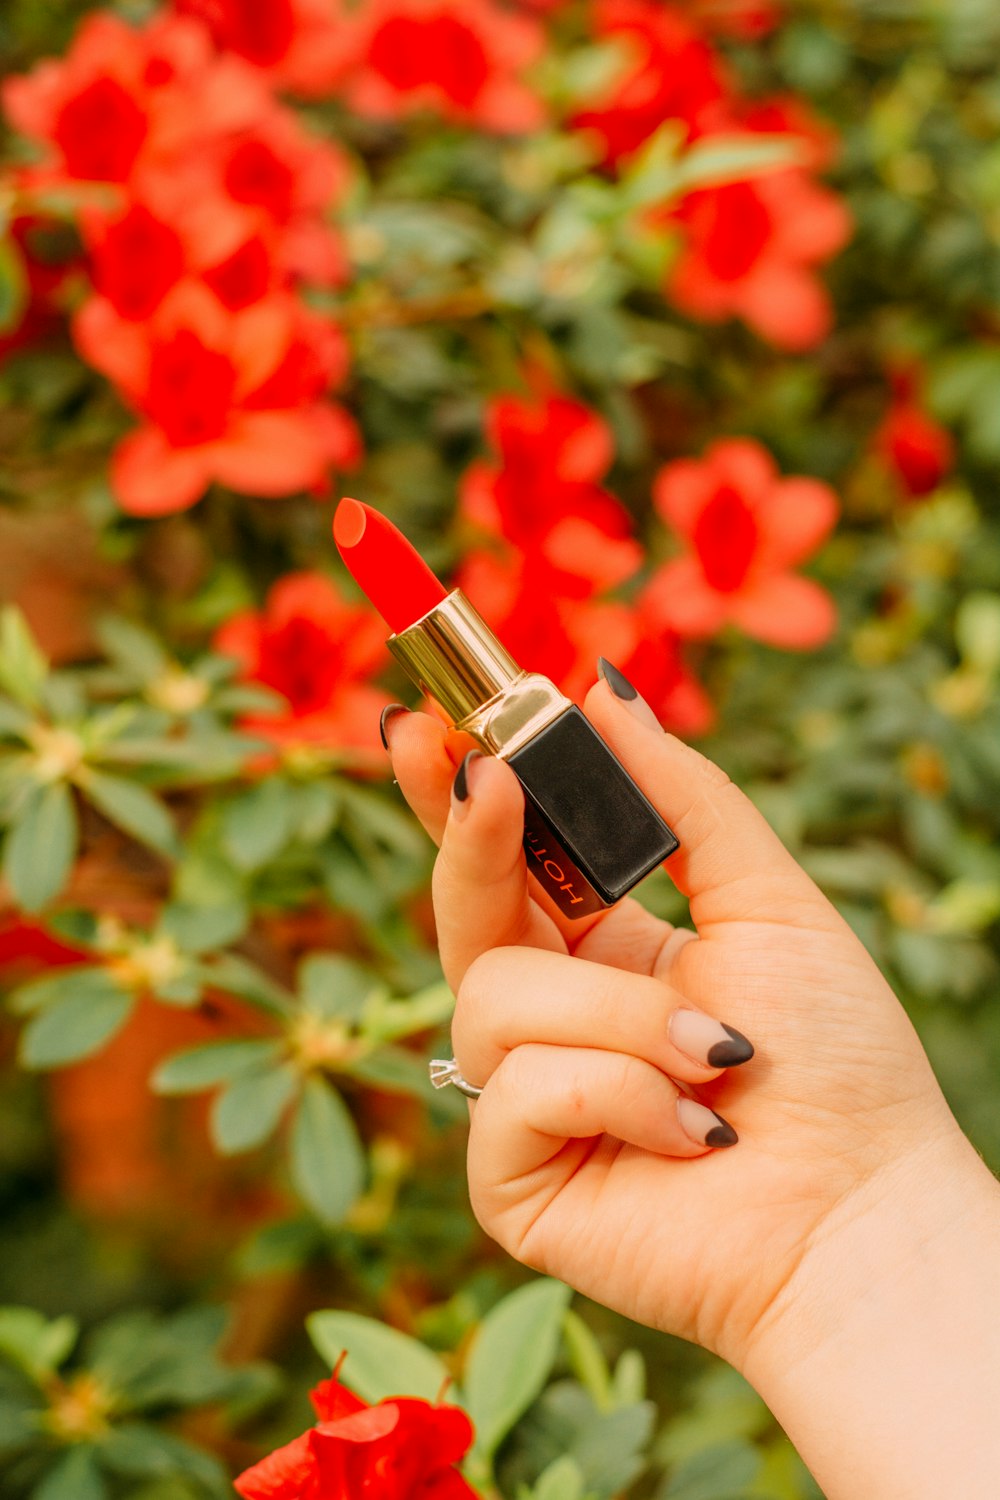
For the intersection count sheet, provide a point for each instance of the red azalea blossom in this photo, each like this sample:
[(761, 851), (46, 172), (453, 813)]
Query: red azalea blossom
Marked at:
[(745, 527), (319, 651), (460, 58), (918, 449), (562, 637), (301, 45), (669, 73), (252, 206), (558, 541), (136, 258), (398, 1449), (123, 95), (751, 249), (543, 495), (229, 396)]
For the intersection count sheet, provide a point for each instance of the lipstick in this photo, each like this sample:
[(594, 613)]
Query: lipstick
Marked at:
[(590, 833)]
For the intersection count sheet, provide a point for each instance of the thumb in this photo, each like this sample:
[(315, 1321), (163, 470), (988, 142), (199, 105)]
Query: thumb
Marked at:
[(731, 863), (481, 895)]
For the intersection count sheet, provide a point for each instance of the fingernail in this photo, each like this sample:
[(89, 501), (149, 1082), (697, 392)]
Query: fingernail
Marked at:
[(702, 1125), (629, 695), (388, 713), (705, 1040), (461, 791)]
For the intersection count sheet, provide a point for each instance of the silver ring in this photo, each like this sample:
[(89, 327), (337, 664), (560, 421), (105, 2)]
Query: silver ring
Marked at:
[(444, 1070)]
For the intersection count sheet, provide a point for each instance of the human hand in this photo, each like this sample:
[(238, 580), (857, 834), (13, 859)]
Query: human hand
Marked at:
[(587, 1158)]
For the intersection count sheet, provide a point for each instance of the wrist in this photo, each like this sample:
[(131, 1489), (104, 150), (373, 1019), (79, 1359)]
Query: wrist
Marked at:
[(874, 1354)]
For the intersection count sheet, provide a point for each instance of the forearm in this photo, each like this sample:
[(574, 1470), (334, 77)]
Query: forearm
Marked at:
[(883, 1366)]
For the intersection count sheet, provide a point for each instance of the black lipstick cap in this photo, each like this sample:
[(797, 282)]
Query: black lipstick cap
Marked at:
[(590, 834)]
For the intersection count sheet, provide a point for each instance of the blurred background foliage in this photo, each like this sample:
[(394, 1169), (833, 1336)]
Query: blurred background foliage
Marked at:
[(215, 934)]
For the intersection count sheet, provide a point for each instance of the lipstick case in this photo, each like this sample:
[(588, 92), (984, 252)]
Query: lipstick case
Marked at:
[(590, 834)]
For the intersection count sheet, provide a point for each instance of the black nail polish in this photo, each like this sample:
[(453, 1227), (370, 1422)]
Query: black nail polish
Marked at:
[(385, 716), (461, 783), (739, 1049), (616, 681), (722, 1134)]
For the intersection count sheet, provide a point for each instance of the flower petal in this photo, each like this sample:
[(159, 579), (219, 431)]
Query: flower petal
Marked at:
[(150, 478), (285, 1474), (679, 598), (785, 610), (786, 305), (270, 453), (795, 517), (681, 490), (744, 464)]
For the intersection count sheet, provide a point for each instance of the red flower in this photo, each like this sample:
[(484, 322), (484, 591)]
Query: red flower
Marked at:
[(745, 527), (401, 1449), (750, 249), (136, 258), (544, 498), (121, 95), (916, 447), (669, 73), (301, 45), (562, 637), (252, 204), (229, 396), (460, 58), (319, 652)]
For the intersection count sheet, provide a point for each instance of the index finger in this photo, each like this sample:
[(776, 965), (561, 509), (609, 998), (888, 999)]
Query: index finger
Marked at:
[(731, 863)]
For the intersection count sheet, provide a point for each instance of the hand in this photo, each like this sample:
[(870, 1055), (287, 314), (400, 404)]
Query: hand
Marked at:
[(587, 1157)]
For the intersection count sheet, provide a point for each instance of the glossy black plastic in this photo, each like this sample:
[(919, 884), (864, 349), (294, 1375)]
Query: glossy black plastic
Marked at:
[(589, 832)]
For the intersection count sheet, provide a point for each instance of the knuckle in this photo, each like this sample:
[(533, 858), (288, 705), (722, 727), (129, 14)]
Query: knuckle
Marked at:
[(714, 776)]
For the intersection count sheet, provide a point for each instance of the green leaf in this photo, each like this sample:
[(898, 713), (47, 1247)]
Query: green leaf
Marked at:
[(335, 987), (511, 1358), (720, 159), (720, 1473), (315, 807), (40, 847), (199, 929), (249, 1110), (73, 1028), (236, 976), (395, 1071), (140, 1451), (92, 981), (586, 1360), (133, 808), (132, 647), (13, 719), (380, 1361), (23, 668), (977, 631), (214, 1063), (562, 1480), (257, 825), (386, 1020), (628, 1384), (76, 1476), (33, 1343), (327, 1160)]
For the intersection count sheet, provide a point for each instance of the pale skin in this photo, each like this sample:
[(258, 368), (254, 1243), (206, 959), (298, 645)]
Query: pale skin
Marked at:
[(843, 1254)]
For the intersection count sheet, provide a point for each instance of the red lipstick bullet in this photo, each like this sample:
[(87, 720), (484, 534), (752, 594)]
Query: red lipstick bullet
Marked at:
[(589, 832)]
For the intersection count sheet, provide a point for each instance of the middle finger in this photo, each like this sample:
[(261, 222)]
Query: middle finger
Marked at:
[(515, 995)]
